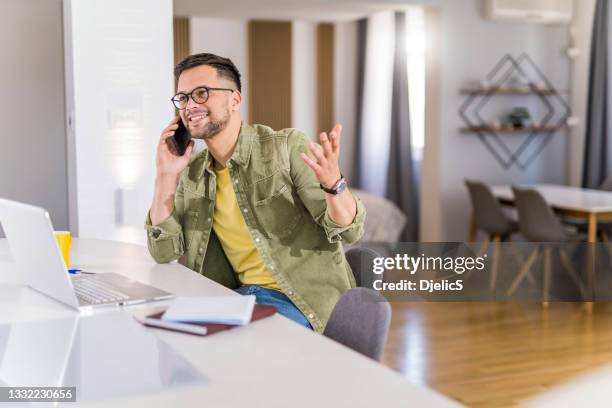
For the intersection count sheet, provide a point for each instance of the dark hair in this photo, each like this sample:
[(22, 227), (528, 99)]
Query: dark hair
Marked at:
[(224, 66)]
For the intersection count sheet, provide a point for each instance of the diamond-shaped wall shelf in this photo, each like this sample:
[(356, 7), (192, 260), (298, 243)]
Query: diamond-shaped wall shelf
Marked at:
[(531, 82)]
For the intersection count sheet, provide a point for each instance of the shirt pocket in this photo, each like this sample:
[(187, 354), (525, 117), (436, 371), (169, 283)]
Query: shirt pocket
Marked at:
[(279, 214), (190, 225)]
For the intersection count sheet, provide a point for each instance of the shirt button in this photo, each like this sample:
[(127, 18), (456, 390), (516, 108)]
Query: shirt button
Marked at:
[(290, 293), (209, 219), (245, 210), (256, 239), (310, 316), (200, 250), (236, 181)]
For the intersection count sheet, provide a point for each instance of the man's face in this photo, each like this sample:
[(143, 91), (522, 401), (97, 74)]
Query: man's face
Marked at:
[(209, 118)]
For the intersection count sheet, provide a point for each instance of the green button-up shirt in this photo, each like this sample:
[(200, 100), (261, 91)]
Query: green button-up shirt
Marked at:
[(285, 212)]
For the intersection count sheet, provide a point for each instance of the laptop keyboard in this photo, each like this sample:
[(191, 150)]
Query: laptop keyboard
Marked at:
[(93, 292)]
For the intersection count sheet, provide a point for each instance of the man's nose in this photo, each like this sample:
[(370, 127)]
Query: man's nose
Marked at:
[(191, 104)]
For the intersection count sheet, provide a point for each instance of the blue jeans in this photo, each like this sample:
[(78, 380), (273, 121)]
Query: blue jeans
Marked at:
[(279, 300)]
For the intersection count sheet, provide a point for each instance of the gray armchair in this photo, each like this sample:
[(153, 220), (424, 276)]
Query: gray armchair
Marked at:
[(384, 222)]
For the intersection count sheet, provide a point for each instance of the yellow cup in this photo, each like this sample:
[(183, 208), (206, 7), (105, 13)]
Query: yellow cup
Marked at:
[(64, 241)]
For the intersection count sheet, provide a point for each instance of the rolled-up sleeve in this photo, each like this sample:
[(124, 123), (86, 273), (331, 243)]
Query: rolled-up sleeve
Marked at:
[(165, 240), (347, 233), (313, 197)]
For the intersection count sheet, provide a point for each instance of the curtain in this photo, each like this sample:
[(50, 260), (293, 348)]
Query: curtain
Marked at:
[(362, 27), (384, 164), (401, 181), (596, 163)]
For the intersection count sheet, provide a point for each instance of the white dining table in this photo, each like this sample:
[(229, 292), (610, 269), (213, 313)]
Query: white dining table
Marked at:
[(273, 362), (583, 203)]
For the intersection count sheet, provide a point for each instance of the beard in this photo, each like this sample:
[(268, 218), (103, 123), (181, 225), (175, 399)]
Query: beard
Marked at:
[(216, 123)]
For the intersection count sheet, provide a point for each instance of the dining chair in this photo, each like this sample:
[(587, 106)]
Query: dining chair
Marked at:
[(490, 218), (606, 185), (539, 224)]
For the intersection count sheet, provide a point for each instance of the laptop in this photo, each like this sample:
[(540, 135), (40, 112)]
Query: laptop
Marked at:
[(30, 237)]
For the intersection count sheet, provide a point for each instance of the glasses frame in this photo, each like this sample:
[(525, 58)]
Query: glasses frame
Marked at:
[(190, 95)]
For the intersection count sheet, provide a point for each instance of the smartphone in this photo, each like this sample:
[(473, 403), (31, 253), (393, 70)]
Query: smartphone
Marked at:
[(181, 138)]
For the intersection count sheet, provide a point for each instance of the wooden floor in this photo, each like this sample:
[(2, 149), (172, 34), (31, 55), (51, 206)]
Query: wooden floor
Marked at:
[(496, 354)]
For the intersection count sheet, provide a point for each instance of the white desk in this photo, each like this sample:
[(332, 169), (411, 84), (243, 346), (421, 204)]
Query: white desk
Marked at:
[(592, 205), (271, 363)]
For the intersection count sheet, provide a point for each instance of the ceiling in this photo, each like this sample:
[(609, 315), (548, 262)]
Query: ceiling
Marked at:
[(308, 10)]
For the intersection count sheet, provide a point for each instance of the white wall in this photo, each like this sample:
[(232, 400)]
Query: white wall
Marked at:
[(227, 38), (304, 77), (33, 141), (119, 86)]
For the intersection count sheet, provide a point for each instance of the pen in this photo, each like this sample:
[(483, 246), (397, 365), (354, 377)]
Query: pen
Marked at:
[(76, 271)]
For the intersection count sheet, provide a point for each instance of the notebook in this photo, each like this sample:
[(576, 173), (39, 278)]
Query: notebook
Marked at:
[(202, 329), (234, 310)]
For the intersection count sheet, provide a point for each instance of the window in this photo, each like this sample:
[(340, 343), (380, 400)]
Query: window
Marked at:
[(415, 51)]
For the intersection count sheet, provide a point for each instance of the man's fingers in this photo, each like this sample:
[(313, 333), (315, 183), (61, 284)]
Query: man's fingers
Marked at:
[(165, 136), (337, 128), (334, 136), (311, 163), (172, 126), (189, 148), (316, 153), (334, 142), (174, 121), (170, 147), (327, 148)]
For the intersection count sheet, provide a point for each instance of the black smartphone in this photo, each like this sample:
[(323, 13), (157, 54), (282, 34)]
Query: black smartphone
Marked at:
[(181, 138)]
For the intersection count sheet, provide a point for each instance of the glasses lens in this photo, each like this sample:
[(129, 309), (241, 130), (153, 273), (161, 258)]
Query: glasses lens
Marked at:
[(200, 95), (180, 101)]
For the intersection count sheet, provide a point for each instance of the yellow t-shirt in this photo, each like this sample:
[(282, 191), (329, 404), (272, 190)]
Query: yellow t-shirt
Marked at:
[(235, 238)]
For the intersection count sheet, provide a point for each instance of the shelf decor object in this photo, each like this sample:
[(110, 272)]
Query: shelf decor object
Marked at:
[(514, 77)]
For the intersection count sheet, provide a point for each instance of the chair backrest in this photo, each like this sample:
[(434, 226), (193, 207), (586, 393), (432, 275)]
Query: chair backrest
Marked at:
[(361, 261), (360, 320), (606, 185), (488, 213), (537, 220)]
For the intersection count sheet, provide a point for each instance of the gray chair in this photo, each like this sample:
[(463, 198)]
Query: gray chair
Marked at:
[(488, 214), (606, 185), (360, 320), (361, 261), (537, 221), (384, 222), (490, 218), (539, 224)]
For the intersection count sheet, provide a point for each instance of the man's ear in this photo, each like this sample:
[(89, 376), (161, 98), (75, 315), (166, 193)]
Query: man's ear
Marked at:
[(236, 100)]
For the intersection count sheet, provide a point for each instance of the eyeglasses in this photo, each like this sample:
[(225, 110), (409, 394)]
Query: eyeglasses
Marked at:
[(198, 95)]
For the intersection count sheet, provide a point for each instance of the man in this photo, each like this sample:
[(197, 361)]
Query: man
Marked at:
[(253, 211)]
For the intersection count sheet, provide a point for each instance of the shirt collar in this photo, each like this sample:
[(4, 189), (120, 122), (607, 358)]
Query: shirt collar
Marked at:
[(242, 151)]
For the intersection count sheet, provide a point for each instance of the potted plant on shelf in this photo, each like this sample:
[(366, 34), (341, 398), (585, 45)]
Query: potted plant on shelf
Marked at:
[(518, 117)]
